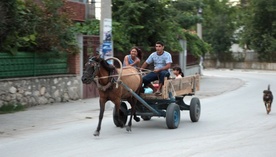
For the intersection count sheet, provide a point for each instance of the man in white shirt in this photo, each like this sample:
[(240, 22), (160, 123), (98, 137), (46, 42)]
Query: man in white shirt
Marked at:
[(162, 61)]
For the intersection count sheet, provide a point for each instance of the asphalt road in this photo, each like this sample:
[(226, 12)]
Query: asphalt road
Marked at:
[(40, 117), (233, 123)]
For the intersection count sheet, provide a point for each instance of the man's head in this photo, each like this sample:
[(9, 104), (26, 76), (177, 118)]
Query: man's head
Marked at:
[(159, 47)]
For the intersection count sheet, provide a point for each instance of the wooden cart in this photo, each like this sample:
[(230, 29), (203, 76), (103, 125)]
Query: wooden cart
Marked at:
[(169, 104)]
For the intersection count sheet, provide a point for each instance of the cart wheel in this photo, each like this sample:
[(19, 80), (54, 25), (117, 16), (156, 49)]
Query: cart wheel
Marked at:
[(194, 109), (173, 116), (123, 114), (146, 118)]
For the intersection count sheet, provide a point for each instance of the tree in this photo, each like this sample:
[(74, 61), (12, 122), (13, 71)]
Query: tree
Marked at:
[(259, 28), (88, 27), (219, 27), (185, 12), (7, 17), (143, 22), (38, 27)]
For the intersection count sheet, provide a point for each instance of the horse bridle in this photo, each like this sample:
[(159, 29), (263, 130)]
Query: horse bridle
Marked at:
[(95, 79), (96, 67)]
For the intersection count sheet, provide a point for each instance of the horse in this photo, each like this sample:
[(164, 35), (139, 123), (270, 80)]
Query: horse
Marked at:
[(106, 77)]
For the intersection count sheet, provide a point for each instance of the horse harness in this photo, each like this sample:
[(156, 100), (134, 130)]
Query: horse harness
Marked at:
[(112, 77)]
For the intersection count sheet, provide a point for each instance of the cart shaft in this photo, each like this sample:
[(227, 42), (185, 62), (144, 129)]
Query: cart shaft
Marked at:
[(140, 99)]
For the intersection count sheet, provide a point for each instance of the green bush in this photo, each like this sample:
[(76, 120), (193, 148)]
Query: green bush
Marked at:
[(10, 108), (39, 27), (89, 27)]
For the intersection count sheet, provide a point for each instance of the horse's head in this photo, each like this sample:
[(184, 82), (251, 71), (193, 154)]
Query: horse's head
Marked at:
[(91, 70)]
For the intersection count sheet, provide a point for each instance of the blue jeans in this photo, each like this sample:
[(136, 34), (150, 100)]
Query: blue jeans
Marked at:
[(152, 76)]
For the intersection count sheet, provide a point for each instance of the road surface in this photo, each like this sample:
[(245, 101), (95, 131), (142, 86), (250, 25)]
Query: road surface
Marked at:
[(233, 122)]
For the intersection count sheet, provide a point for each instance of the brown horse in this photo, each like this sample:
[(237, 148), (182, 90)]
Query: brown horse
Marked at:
[(105, 77)]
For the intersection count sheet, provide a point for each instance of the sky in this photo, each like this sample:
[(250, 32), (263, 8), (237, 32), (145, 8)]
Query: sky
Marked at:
[(98, 9)]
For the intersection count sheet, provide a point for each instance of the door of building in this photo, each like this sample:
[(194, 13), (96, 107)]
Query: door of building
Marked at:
[(91, 44)]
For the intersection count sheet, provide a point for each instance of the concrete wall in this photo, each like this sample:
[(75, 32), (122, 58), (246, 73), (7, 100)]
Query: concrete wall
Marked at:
[(240, 65), (191, 70), (31, 91)]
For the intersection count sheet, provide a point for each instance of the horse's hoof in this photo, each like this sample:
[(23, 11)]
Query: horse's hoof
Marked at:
[(128, 128), (137, 119), (96, 133)]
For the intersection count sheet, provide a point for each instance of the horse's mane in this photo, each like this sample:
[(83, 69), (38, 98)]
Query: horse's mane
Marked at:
[(106, 65)]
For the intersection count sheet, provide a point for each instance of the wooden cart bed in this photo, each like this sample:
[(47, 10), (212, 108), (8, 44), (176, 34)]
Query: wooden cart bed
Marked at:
[(177, 87)]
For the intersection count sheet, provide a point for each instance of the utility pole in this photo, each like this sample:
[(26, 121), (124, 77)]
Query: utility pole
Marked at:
[(199, 25), (183, 56), (106, 29), (199, 33)]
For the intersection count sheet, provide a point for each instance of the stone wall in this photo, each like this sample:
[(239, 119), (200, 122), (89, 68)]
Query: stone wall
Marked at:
[(40, 90)]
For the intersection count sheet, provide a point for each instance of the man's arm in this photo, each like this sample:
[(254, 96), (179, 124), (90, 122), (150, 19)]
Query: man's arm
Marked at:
[(144, 66), (166, 67)]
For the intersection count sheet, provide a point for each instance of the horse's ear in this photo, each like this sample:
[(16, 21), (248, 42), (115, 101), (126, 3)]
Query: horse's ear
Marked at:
[(97, 55), (91, 58), (94, 58)]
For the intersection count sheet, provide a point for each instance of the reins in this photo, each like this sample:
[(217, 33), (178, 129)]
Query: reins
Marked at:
[(105, 87), (109, 84), (121, 69), (138, 73)]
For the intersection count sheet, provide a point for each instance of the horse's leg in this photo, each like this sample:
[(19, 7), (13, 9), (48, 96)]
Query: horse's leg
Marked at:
[(128, 127), (102, 108), (137, 119), (117, 103), (132, 102), (133, 105)]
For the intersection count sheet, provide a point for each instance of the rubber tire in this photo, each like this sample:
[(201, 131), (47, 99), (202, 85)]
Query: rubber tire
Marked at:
[(123, 114), (195, 109), (173, 116), (146, 118)]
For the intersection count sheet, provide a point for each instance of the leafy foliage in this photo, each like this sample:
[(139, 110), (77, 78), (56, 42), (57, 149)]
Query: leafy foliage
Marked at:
[(198, 46), (89, 27), (219, 26), (143, 22), (185, 12), (259, 29), (7, 18), (40, 27)]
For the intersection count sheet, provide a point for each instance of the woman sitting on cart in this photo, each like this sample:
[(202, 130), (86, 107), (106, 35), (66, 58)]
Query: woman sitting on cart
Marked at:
[(162, 61), (133, 59)]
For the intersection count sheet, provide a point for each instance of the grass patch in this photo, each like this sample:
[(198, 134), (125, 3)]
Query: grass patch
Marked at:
[(11, 108)]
